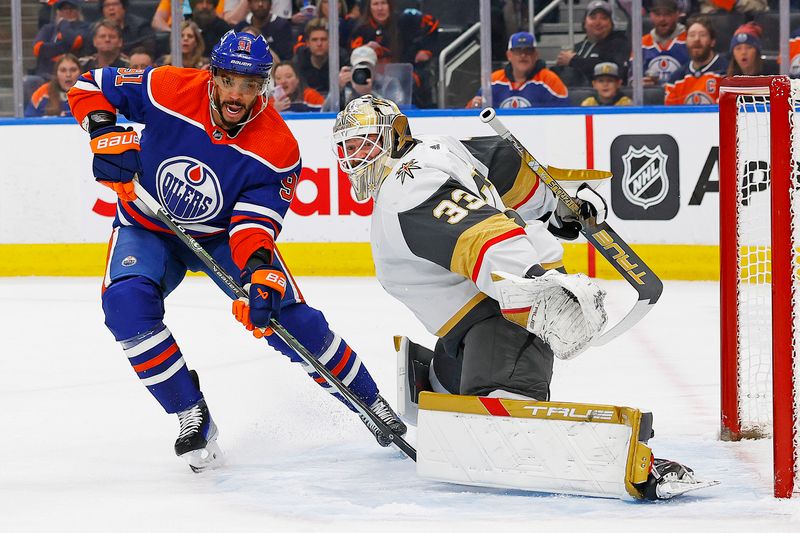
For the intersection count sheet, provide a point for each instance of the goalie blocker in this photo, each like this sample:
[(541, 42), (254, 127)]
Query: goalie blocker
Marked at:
[(555, 447)]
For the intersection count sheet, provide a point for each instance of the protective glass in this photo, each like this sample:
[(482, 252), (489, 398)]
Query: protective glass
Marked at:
[(249, 85)]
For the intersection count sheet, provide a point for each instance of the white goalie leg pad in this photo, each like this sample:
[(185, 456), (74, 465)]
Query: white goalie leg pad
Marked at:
[(553, 447), (564, 310)]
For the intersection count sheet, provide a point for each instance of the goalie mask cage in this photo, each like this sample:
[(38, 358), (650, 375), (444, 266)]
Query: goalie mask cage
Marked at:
[(759, 158)]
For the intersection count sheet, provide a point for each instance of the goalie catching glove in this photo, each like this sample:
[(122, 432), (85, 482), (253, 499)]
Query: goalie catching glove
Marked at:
[(567, 225), (265, 286), (564, 310)]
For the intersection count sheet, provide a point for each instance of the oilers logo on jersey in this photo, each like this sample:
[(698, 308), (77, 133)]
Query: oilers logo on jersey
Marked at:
[(189, 189), (515, 102)]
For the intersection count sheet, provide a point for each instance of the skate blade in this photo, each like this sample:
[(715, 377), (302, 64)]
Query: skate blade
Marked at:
[(207, 458), (673, 489)]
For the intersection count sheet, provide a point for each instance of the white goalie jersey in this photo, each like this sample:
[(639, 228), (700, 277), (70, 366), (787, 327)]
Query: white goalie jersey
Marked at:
[(449, 213)]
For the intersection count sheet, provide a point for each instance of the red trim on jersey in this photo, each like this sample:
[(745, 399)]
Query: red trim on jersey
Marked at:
[(488, 244), (516, 310), (157, 360), (246, 242), (185, 93), (530, 194), (83, 102), (494, 406), (142, 220)]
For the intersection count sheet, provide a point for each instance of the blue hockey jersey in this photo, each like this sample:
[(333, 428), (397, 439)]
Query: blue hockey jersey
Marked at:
[(210, 181)]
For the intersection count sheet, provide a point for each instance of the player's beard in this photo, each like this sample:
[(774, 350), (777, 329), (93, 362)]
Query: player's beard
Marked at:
[(221, 111)]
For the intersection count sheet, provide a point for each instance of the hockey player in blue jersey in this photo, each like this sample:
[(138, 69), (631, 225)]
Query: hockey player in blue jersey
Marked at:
[(225, 165)]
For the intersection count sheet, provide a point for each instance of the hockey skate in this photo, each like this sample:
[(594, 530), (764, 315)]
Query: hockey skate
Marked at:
[(381, 408), (669, 479), (197, 439)]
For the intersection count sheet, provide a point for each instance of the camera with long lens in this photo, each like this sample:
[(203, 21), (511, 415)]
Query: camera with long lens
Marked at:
[(361, 75)]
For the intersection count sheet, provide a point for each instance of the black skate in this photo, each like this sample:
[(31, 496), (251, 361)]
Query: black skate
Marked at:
[(197, 440), (668, 479), (381, 408)]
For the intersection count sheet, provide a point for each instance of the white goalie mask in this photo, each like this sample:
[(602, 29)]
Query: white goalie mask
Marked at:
[(370, 134)]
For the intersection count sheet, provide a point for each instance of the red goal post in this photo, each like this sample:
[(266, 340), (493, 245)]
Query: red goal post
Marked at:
[(759, 291)]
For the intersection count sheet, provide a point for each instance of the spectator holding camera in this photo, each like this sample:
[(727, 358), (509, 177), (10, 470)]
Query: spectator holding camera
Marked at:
[(291, 93), (51, 98), (362, 79), (66, 34)]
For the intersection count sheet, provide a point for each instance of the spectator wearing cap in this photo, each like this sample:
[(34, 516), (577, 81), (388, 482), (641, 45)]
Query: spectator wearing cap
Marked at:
[(66, 34), (276, 30), (606, 82), (136, 31), (362, 78), (107, 40), (51, 98), (312, 57), (204, 14), (664, 47), (602, 44), (745, 53), (751, 7), (525, 81), (697, 81)]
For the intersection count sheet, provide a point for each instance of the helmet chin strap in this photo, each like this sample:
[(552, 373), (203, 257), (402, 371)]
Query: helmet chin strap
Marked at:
[(239, 125)]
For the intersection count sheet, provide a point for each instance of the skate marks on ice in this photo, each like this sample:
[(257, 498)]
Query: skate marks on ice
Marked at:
[(296, 459)]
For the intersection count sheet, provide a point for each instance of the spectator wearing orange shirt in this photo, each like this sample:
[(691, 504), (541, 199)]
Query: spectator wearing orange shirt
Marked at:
[(67, 34), (51, 98), (697, 81), (291, 93)]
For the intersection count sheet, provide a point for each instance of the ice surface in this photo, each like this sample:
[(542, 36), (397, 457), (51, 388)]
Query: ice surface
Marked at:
[(85, 448)]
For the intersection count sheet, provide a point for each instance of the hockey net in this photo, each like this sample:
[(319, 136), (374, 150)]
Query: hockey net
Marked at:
[(759, 258)]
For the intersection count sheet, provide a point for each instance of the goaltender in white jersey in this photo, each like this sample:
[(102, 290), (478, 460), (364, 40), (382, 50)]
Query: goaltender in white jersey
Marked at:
[(463, 235)]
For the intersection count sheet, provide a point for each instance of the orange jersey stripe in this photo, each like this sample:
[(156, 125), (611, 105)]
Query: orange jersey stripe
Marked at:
[(345, 358), (157, 360)]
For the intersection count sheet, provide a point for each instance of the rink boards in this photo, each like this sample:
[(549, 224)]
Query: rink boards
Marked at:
[(663, 199)]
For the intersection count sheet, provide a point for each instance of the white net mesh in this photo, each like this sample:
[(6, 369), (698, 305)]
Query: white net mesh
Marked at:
[(795, 212), (754, 310), (754, 295)]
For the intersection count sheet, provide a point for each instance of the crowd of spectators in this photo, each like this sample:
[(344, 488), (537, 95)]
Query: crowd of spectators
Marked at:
[(389, 51)]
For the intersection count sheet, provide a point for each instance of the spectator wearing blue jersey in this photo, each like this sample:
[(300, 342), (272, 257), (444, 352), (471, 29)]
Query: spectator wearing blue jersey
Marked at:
[(66, 34), (51, 98), (525, 81)]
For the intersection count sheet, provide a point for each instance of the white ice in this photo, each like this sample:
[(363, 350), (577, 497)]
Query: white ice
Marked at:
[(83, 446)]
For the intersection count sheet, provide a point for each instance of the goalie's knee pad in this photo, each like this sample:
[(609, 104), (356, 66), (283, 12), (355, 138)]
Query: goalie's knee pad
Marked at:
[(500, 355), (132, 306)]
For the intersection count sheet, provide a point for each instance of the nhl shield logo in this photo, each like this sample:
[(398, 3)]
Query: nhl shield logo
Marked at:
[(644, 181), (189, 189)]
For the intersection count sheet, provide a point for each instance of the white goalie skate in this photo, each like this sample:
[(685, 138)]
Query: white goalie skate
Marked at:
[(669, 479)]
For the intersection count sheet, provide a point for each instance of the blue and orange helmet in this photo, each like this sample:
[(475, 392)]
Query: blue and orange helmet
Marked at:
[(242, 53)]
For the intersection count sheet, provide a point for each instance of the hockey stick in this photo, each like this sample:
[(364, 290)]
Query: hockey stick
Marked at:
[(154, 206), (604, 239)]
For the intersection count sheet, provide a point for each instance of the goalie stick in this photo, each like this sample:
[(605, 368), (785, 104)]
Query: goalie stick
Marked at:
[(154, 206), (602, 236)]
